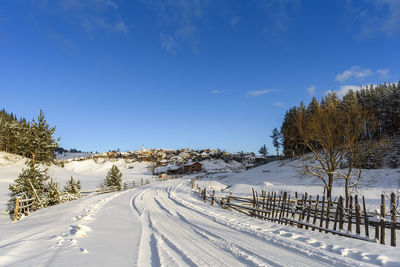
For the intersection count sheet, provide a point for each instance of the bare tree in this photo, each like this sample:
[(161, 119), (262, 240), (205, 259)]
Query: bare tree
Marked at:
[(331, 132)]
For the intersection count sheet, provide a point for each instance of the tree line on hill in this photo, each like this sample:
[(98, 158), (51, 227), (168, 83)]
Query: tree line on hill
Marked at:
[(333, 134), (32, 139), (382, 102)]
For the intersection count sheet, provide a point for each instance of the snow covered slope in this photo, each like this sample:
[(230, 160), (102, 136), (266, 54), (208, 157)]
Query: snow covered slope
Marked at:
[(165, 224), (89, 172)]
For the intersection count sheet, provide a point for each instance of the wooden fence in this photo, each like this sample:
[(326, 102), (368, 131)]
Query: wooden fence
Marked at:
[(315, 213), (23, 206)]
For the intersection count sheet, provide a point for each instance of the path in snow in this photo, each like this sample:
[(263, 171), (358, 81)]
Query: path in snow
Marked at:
[(166, 224)]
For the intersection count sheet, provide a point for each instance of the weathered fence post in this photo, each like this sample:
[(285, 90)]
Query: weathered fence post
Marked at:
[(393, 219), (309, 211), (341, 213), (16, 209), (212, 198), (315, 213), (282, 207), (358, 213), (383, 216), (321, 220), (349, 228), (365, 218)]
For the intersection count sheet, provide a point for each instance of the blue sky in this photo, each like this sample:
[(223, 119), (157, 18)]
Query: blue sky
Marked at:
[(181, 73)]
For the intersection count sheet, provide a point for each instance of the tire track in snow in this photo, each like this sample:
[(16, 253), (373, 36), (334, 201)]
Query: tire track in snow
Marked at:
[(180, 238)]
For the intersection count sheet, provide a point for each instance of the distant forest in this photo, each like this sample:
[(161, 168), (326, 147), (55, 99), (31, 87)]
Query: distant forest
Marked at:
[(379, 106), (33, 139)]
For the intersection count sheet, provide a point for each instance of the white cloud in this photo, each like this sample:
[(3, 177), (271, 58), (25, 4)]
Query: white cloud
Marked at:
[(216, 92), (112, 4), (344, 89), (168, 43), (353, 72), (383, 72), (311, 90), (121, 27), (258, 92), (370, 17), (278, 104), (235, 21)]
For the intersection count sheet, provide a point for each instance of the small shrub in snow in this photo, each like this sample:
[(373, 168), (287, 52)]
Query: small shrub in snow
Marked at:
[(73, 187), (114, 177), (54, 195)]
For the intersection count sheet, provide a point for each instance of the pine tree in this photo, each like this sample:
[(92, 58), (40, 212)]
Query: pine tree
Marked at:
[(263, 150), (31, 175), (114, 177), (276, 136), (73, 187), (54, 195)]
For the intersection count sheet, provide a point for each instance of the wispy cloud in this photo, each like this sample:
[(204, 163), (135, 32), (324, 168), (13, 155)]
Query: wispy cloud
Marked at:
[(181, 17), (344, 89), (383, 72), (235, 21), (90, 15), (311, 90), (113, 4), (168, 43), (368, 18), (279, 104), (353, 72), (280, 12), (259, 92)]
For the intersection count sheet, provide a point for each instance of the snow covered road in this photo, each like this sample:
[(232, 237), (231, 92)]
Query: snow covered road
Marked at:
[(166, 224)]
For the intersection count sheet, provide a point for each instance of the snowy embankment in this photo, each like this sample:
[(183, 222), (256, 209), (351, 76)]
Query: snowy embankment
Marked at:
[(165, 223)]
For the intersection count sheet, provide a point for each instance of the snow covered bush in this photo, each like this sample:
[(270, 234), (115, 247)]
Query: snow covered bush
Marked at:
[(30, 178), (114, 177), (73, 187), (54, 195)]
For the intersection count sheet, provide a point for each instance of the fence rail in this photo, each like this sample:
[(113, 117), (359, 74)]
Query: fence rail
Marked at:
[(316, 213)]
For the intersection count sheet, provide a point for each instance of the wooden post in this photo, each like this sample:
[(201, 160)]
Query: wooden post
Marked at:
[(315, 213), (287, 208), (383, 217), (277, 207), (328, 215), (282, 207), (273, 207), (341, 212), (229, 201), (294, 209), (349, 228), (336, 215), (302, 214), (365, 218), (35, 194), (267, 206), (253, 213), (358, 213), (204, 194), (16, 209), (393, 219), (321, 219), (263, 214), (212, 198), (309, 211)]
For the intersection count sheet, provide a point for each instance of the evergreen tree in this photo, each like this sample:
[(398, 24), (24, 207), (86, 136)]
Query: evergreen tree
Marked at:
[(276, 136), (114, 177), (73, 187), (31, 175), (54, 195), (263, 150)]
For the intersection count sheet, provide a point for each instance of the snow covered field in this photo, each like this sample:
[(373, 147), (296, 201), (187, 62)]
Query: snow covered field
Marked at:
[(165, 223)]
